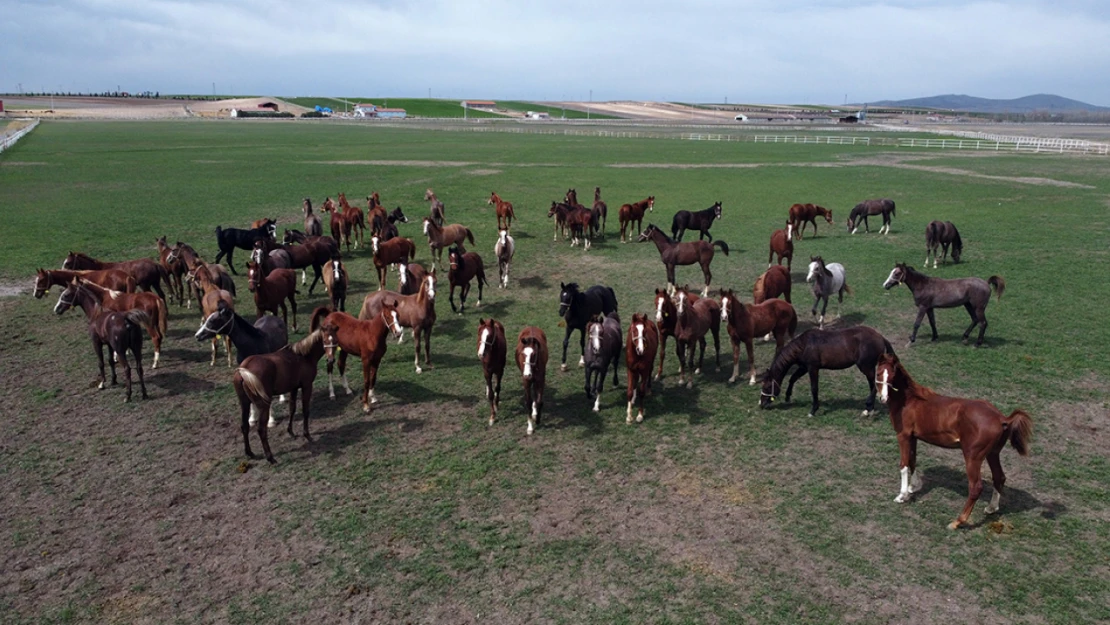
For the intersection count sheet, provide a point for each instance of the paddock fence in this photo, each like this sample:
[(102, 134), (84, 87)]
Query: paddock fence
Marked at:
[(8, 140)]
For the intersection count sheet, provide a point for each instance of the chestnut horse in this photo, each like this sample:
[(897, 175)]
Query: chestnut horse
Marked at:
[(413, 311), (89, 295), (435, 207), (504, 210), (313, 227), (782, 243), (492, 351), (147, 273), (666, 316), (120, 331), (928, 293), (774, 282), (942, 234), (220, 276), (440, 237), (354, 216), (559, 212), (464, 268), (600, 210), (340, 224), (800, 214), (386, 253), (209, 300), (672, 254), (693, 320), (639, 359), (176, 270), (110, 278), (361, 339), (336, 282), (271, 289), (410, 277), (634, 212), (531, 359), (745, 322), (865, 208), (975, 426), (504, 250)]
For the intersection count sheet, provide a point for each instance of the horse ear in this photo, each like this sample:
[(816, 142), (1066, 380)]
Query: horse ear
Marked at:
[(481, 322), (562, 286)]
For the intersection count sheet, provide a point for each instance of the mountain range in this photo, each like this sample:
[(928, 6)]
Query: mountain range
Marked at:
[(966, 103)]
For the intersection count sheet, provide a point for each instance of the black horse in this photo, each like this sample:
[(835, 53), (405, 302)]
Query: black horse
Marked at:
[(605, 345), (577, 308), (942, 234), (386, 228), (700, 220), (267, 334), (231, 238), (813, 350)]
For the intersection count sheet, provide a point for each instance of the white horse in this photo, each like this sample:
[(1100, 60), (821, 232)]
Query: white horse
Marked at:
[(504, 250), (826, 279)]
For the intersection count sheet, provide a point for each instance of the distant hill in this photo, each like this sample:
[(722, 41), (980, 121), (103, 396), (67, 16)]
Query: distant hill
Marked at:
[(1028, 104)]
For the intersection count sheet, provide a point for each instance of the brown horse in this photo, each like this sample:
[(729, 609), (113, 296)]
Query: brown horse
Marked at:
[(336, 281), (774, 282), (312, 225), (110, 278), (89, 295), (559, 212), (354, 216), (577, 219), (745, 322), (211, 296), (782, 243), (504, 210), (435, 207), (417, 312), (974, 426), (531, 359), (800, 214), (361, 339), (492, 351), (942, 234), (693, 320), (219, 275), (410, 277), (441, 237), (600, 210), (634, 212), (666, 316), (672, 254), (928, 293), (291, 369), (176, 270), (866, 208), (464, 268), (121, 332), (147, 273), (386, 253), (271, 289), (374, 207), (639, 359), (340, 224)]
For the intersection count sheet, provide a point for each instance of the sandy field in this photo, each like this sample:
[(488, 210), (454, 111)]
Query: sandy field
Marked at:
[(133, 108)]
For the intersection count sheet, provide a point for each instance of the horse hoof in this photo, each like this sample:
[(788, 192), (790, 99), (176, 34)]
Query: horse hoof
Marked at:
[(366, 408), (419, 370), (865, 414), (954, 525), (810, 415), (732, 379), (563, 367), (690, 384), (751, 382), (697, 371), (273, 424), (640, 418)]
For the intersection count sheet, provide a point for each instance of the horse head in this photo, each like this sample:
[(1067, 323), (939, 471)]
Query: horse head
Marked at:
[(306, 206), (567, 294), (816, 265), (828, 214), (651, 203), (67, 297), (647, 233), (897, 276), (726, 304), (485, 335), (661, 308), (42, 283), (399, 215), (254, 275), (217, 323), (392, 321), (769, 392), (885, 370)]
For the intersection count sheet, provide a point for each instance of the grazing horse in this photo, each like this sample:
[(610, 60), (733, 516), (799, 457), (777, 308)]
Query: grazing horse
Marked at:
[(813, 350), (267, 334), (147, 273), (176, 270), (693, 320), (340, 224), (531, 359), (89, 295), (313, 227), (866, 208), (353, 215), (504, 210), (782, 243), (504, 250), (666, 316), (410, 277), (289, 370), (975, 426), (634, 212), (774, 282), (464, 267), (231, 238), (364, 339), (602, 349), (209, 300), (600, 210), (336, 282), (800, 214), (386, 253), (577, 308), (826, 279), (639, 358), (435, 207), (120, 331), (942, 234), (672, 254), (413, 311), (271, 289), (492, 351), (109, 278), (745, 322), (929, 293), (440, 237), (701, 221)]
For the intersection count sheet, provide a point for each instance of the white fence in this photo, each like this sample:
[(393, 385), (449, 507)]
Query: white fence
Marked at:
[(9, 140), (994, 142)]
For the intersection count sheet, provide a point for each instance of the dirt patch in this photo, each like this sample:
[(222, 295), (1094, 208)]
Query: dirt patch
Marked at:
[(23, 164), (900, 161), (484, 172), (12, 290), (1083, 426), (402, 163)]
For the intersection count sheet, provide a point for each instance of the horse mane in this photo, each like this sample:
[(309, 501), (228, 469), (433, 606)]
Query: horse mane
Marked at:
[(318, 316), (305, 345), (788, 355), (918, 391), (760, 287)]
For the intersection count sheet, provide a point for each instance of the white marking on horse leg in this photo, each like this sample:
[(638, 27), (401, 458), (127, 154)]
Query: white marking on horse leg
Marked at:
[(581, 361), (272, 422), (854, 229), (640, 416), (628, 419), (373, 399), (597, 403), (345, 385), (926, 261), (283, 398), (821, 322), (934, 263), (100, 386), (865, 413), (995, 500), (904, 492), (157, 355), (751, 382), (254, 415), (768, 337), (304, 277), (331, 386)]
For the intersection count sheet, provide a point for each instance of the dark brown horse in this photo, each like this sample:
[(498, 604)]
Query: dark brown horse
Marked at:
[(395, 250), (866, 208), (336, 281), (89, 295), (435, 207), (220, 276), (110, 278), (600, 210), (147, 273), (745, 322), (413, 311), (693, 321), (929, 293), (800, 214), (504, 210), (672, 254), (464, 268), (273, 256), (531, 359), (974, 426), (441, 237), (492, 351), (312, 225), (121, 332), (774, 282), (782, 243), (942, 234), (634, 213), (176, 270), (666, 316), (639, 359), (362, 339), (271, 289), (410, 277)]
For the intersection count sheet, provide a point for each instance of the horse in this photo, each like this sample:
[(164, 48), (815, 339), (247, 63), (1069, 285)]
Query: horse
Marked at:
[(866, 208), (602, 349), (464, 267), (744, 322), (826, 279), (782, 243), (600, 210), (800, 214), (110, 278), (577, 308), (219, 275), (271, 289), (120, 331), (353, 215), (340, 224), (504, 210), (264, 221), (231, 238), (89, 295), (672, 254), (774, 282), (289, 370), (147, 273), (942, 234), (413, 311), (975, 426), (435, 207), (531, 359), (634, 212), (312, 252), (364, 339), (313, 227), (336, 282), (492, 350), (267, 334), (813, 350), (410, 276), (386, 253), (176, 270), (385, 226), (639, 359), (666, 316), (929, 293), (211, 295), (693, 320), (504, 250), (559, 212), (374, 206), (440, 237), (697, 220), (580, 221)]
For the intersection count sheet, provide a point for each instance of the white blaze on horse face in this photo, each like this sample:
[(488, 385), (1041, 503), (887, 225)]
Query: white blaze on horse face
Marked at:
[(431, 286), (397, 324), (891, 281), (884, 395), (725, 304), (789, 232), (639, 338), (501, 237), (374, 243), (482, 342), (681, 302), (527, 362), (426, 222), (812, 272), (659, 308)]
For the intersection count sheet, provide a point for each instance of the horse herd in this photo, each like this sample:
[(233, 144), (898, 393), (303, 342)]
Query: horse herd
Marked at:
[(270, 369)]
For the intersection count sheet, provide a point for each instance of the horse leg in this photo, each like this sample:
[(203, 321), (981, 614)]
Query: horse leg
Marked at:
[(932, 323), (798, 373), (566, 344), (416, 335), (227, 348), (869, 406), (245, 409), (463, 291), (998, 477), (126, 370), (480, 280), (680, 352), (917, 322), (369, 378), (215, 343), (907, 448), (974, 487), (137, 351), (813, 390), (263, 408), (976, 317), (630, 394), (821, 319), (318, 275), (662, 356), (701, 355), (751, 361), (708, 278), (292, 413)]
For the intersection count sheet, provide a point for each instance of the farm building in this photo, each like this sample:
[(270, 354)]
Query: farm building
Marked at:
[(537, 115), (384, 113), (478, 105), (365, 110)]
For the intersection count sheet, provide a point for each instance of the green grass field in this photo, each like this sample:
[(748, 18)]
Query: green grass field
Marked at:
[(414, 107), (710, 511)]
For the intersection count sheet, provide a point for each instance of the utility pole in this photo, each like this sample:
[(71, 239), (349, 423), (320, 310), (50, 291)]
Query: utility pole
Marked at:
[(588, 106)]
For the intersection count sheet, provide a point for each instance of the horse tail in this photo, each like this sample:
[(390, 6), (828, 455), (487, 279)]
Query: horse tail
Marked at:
[(470, 236), (847, 289), (412, 251), (887, 347), (137, 317), (317, 318), (674, 226), (163, 315), (613, 294), (932, 234), (999, 285), (252, 384), (891, 208), (722, 245), (1020, 427)]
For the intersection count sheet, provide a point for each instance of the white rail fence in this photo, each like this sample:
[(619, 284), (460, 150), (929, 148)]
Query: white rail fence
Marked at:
[(995, 142), (8, 141)]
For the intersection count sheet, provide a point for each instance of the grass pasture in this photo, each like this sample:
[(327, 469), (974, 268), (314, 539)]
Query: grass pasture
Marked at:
[(710, 511)]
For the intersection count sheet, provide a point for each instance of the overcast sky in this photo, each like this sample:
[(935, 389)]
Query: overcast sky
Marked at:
[(770, 51)]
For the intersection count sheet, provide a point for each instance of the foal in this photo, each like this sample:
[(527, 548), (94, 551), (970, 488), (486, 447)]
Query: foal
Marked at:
[(89, 296), (826, 279), (386, 253), (209, 301), (774, 282), (695, 220), (464, 268), (271, 289), (312, 225), (942, 234), (229, 239), (504, 250), (531, 359), (492, 351), (689, 253), (639, 358), (504, 210), (692, 322), (867, 208), (745, 322), (413, 311), (928, 293), (801, 214), (782, 243), (121, 332), (176, 269), (630, 213), (666, 317), (603, 348), (335, 280), (361, 339), (435, 207), (440, 237), (600, 210)]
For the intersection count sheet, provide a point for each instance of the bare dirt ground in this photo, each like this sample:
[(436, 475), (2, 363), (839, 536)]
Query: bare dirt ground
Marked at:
[(133, 108)]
